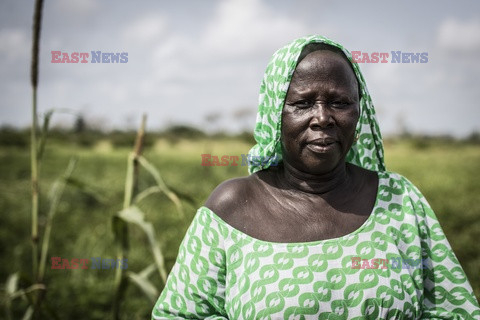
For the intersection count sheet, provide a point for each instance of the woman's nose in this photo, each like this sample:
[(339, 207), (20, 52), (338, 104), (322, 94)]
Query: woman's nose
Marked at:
[(321, 117)]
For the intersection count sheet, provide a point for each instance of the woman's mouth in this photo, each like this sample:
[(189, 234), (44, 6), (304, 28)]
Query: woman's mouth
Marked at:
[(322, 145)]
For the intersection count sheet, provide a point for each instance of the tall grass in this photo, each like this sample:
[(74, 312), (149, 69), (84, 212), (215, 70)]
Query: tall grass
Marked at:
[(37, 23), (132, 214), (36, 292)]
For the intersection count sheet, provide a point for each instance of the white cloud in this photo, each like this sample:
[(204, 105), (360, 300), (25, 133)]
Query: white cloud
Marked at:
[(237, 36), (183, 66), (147, 29), (14, 44), (238, 33), (243, 27), (463, 36)]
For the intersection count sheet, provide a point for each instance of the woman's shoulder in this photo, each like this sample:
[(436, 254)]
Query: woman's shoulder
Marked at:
[(395, 183), (231, 197), (399, 179)]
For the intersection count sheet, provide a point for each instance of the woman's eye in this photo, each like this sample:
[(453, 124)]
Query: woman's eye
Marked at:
[(339, 104), (302, 104)]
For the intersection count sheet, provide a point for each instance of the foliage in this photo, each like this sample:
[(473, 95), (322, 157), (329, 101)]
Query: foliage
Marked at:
[(445, 173), (11, 137)]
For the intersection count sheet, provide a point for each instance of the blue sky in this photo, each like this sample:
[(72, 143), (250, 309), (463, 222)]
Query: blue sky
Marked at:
[(191, 61)]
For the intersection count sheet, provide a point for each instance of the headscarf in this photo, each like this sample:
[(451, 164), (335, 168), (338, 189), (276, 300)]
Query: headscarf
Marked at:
[(366, 152)]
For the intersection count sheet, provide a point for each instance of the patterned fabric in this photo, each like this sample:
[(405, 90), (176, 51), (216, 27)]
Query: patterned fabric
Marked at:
[(397, 265), (222, 273), (367, 152)]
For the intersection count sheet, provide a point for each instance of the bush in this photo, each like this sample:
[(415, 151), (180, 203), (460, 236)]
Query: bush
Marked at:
[(14, 137)]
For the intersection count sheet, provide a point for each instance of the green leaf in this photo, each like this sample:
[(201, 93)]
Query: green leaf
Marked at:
[(55, 195), (120, 232), (43, 136), (28, 314), (145, 193), (12, 283), (135, 216), (141, 280), (87, 189), (161, 184), (184, 196)]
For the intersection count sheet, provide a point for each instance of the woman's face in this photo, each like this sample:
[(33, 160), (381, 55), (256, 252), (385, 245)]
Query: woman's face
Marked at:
[(320, 113)]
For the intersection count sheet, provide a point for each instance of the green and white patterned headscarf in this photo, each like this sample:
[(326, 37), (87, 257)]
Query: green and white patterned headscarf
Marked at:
[(366, 152)]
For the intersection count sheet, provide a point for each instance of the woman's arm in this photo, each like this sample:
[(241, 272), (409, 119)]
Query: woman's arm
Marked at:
[(195, 287), (447, 292)]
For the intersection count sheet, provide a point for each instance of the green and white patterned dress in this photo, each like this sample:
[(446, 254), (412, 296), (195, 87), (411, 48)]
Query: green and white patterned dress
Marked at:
[(222, 273)]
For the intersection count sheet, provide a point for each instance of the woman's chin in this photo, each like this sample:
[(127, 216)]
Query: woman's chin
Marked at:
[(319, 166)]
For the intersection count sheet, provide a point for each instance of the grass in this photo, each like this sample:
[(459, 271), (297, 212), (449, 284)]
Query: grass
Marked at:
[(82, 228), (447, 176)]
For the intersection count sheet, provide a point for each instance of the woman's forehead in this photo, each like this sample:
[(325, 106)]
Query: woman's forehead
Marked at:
[(323, 59), (324, 65), (312, 47)]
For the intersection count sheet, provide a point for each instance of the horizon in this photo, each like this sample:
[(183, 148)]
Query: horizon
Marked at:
[(205, 69)]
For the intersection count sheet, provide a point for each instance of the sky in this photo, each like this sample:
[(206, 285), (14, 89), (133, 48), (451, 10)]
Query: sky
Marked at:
[(200, 63)]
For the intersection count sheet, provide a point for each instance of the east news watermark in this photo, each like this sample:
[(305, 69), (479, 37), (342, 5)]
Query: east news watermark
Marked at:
[(390, 57), (89, 57), (209, 160), (392, 263), (92, 263)]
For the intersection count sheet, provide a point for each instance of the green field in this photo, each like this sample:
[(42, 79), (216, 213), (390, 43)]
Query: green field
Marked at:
[(446, 172)]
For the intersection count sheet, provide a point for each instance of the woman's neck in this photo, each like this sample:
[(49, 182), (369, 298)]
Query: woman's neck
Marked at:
[(325, 183)]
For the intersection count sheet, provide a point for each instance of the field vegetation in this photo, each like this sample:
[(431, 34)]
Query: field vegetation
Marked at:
[(444, 169)]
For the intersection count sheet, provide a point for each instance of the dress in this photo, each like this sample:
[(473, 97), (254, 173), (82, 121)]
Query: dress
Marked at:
[(222, 273), (397, 265)]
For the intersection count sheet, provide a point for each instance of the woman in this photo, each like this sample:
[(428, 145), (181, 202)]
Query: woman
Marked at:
[(328, 233)]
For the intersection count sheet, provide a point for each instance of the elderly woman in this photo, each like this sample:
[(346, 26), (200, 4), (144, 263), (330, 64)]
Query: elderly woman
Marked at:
[(327, 233)]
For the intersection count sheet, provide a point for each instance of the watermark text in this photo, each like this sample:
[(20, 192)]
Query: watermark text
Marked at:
[(209, 160), (89, 57), (96, 263), (393, 263), (392, 57)]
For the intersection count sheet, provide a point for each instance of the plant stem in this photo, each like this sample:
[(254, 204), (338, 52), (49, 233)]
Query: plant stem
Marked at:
[(132, 169), (130, 188), (37, 22), (34, 168), (56, 195)]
